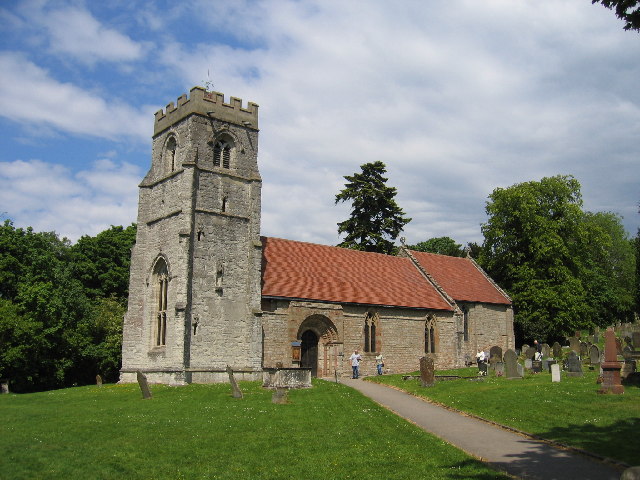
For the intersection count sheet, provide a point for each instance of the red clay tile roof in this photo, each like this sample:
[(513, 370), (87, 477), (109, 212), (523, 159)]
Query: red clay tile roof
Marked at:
[(460, 278), (309, 271)]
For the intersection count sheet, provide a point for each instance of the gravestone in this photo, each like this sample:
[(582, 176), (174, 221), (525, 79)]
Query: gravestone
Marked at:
[(555, 372), (549, 363), (499, 369), (583, 350), (628, 367), (280, 396), (4, 386), (610, 367), (557, 350), (98, 380), (596, 335), (618, 345), (511, 364), (528, 363), (574, 344), (574, 367), (594, 355), (237, 393), (627, 352), (144, 385), (536, 366), (525, 347), (546, 350), (520, 370), (427, 373), (495, 352), (530, 352)]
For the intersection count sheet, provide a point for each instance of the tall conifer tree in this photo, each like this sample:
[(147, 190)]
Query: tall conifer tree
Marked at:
[(376, 219)]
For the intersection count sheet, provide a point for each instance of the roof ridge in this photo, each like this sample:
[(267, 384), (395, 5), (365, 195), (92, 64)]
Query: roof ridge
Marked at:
[(430, 278)]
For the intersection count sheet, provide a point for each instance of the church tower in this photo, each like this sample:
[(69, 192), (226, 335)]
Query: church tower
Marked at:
[(194, 288)]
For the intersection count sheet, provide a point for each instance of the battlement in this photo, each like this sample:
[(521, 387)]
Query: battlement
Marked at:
[(212, 104)]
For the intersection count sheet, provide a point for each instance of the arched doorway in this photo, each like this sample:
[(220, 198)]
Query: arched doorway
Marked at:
[(309, 350)]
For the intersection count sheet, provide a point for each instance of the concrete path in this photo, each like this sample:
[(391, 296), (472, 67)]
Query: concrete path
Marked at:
[(508, 451)]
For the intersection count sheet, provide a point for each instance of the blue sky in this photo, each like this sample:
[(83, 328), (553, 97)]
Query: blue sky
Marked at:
[(457, 97)]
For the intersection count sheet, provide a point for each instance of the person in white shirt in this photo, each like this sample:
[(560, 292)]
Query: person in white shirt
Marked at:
[(355, 363)]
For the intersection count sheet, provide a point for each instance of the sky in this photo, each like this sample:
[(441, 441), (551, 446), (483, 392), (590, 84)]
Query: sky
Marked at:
[(456, 97)]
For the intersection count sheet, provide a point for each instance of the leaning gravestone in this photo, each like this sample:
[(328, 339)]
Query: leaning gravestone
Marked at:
[(511, 364), (427, 372), (574, 367), (557, 350), (574, 344), (555, 372), (237, 393), (594, 355), (144, 385)]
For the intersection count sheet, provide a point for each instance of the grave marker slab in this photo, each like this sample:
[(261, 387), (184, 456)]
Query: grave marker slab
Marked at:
[(574, 344), (574, 367), (557, 350), (594, 355), (495, 352), (555, 372), (144, 385), (427, 372), (237, 393), (510, 364), (98, 380), (611, 367)]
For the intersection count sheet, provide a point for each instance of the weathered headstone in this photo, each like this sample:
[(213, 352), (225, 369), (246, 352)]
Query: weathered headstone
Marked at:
[(530, 352), (584, 350), (495, 352), (557, 350), (555, 372), (627, 352), (611, 367), (520, 370), (499, 369), (427, 372), (546, 350), (574, 344), (528, 363), (618, 345), (4, 386), (237, 393), (510, 364), (549, 363), (574, 367), (594, 355), (144, 385), (98, 380), (525, 347), (280, 395), (628, 367)]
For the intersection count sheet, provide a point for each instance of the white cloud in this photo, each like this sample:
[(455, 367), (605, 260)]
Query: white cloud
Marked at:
[(48, 197), (29, 94)]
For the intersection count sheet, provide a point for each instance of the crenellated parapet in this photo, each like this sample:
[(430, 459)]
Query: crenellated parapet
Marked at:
[(210, 104)]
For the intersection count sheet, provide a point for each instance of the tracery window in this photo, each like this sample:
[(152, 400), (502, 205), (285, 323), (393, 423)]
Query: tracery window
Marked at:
[(370, 325), (161, 289), (430, 335), (222, 154)]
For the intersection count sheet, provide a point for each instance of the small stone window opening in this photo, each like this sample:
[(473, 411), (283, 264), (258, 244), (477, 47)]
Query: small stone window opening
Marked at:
[(195, 324), (161, 316), (370, 322), (224, 203), (222, 154), (200, 234), (219, 279), (465, 324), (171, 153), (429, 336)]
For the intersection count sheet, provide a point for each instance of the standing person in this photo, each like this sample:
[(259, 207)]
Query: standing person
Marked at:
[(538, 347), (480, 358), (355, 363), (379, 363)]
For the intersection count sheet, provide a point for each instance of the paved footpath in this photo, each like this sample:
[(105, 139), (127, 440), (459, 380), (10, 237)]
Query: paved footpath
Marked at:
[(508, 451)]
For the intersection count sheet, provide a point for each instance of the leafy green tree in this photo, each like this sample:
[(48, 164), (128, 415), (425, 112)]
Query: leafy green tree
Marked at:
[(376, 219), (626, 10), (102, 262), (565, 269), (441, 245)]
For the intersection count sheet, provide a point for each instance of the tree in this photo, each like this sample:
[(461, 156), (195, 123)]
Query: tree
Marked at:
[(440, 245), (626, 10), (376, 219), (564, 269)]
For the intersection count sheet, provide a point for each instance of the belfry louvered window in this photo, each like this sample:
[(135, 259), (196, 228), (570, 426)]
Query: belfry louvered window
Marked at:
[(222, 154)]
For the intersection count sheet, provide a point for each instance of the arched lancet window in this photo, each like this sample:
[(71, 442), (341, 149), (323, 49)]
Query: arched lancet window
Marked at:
[(222, 153), (170, 153), (370, 324), (430, 335), (161, 287), (465, 323)]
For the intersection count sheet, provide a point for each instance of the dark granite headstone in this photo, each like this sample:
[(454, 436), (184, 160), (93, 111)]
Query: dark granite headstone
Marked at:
[(511, 364), (557, 350), (144, 385), (237, 393), (574, 367), (427, 372), (536, 366)]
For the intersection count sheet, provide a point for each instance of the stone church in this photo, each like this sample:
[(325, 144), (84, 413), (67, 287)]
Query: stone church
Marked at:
[(207, 291)]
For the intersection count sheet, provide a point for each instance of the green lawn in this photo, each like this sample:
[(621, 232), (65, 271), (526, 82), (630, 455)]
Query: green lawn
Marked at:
[(201, 432), (570, 412)]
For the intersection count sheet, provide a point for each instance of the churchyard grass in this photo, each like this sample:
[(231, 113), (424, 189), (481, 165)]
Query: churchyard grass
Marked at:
[(570, 412), (200, 432)]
